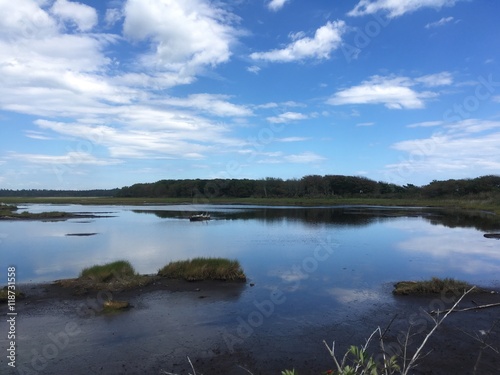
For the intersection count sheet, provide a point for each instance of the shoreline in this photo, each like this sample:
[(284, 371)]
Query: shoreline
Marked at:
[(461, 204)]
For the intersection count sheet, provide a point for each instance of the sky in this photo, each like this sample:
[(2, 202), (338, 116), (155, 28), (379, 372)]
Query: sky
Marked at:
[(108, 93)]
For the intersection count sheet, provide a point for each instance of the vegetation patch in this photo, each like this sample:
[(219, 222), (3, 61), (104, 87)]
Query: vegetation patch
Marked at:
[(109, 271), (204, 269), (433, 286), (113, 276)]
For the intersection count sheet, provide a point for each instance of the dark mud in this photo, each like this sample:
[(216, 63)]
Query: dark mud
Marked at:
[(170, 320)]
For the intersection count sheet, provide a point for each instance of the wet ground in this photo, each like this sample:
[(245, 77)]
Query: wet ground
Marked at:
[(172, 322)]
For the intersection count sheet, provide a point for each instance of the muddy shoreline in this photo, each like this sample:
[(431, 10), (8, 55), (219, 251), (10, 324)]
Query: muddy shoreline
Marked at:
[(177, 320)]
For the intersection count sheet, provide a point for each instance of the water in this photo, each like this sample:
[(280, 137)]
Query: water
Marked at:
[(324, 250), (317, 273)]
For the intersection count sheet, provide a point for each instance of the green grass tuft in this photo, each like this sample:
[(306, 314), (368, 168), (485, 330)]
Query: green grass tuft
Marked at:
[(203, 269), (433, 286), (108, 272)]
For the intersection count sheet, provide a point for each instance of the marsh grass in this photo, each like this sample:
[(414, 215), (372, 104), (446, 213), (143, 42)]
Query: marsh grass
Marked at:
[(204, 269), (115, 276), (107, 272), (432, 286)]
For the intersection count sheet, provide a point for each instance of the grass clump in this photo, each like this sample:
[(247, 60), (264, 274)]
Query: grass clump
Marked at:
[(204, 269), (108, 272), (115, 276), (432, 286)]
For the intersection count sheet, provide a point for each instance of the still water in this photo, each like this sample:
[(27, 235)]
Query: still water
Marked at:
[(322, 249), (313, 274)]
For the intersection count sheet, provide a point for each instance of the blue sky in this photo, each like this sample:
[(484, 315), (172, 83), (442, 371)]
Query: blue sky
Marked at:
[(103, 94)]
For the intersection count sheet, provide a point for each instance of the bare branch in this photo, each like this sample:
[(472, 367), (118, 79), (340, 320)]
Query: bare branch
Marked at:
[(438, 323)]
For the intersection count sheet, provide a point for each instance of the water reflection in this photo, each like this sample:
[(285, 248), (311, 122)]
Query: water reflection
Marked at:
[(373, 245), (347, 215)]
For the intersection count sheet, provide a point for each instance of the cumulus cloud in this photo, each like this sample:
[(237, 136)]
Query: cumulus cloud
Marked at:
[(392, 91), (83, 16), (186, 35), (276, 5), (53, 67), (396, 8), (326, 39)]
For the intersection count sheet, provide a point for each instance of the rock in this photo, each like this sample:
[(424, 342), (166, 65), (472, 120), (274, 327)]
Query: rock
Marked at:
[(116, 305)]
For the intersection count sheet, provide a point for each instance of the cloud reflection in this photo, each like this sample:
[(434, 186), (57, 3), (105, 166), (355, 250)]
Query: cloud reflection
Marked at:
[(347, 295), (462, 249)]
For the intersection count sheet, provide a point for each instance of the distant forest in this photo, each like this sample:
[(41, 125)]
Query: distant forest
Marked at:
[(313, 186)]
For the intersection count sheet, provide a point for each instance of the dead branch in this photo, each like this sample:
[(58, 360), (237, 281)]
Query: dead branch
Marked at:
[(434, 312)]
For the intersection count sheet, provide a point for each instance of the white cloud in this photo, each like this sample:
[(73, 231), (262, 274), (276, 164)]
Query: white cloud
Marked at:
[(213, 104), (326, 39), (287, 117), (305, 157), (279, 158), (293, 139), (254, 69), (443, 21), (71, 158), (36, 135), (434, 80), (396, 8), (365, 124), (83, 16), (150, 133), (276, 5), (462, 149), (425, 124), (50, 72), (392, 91), (112, 16), (186, 35)]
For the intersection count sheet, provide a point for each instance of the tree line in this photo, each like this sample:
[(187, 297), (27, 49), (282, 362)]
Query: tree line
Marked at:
[(313, 186)]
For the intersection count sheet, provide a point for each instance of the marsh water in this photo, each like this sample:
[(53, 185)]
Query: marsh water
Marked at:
[(337, 247), (307, 270)]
